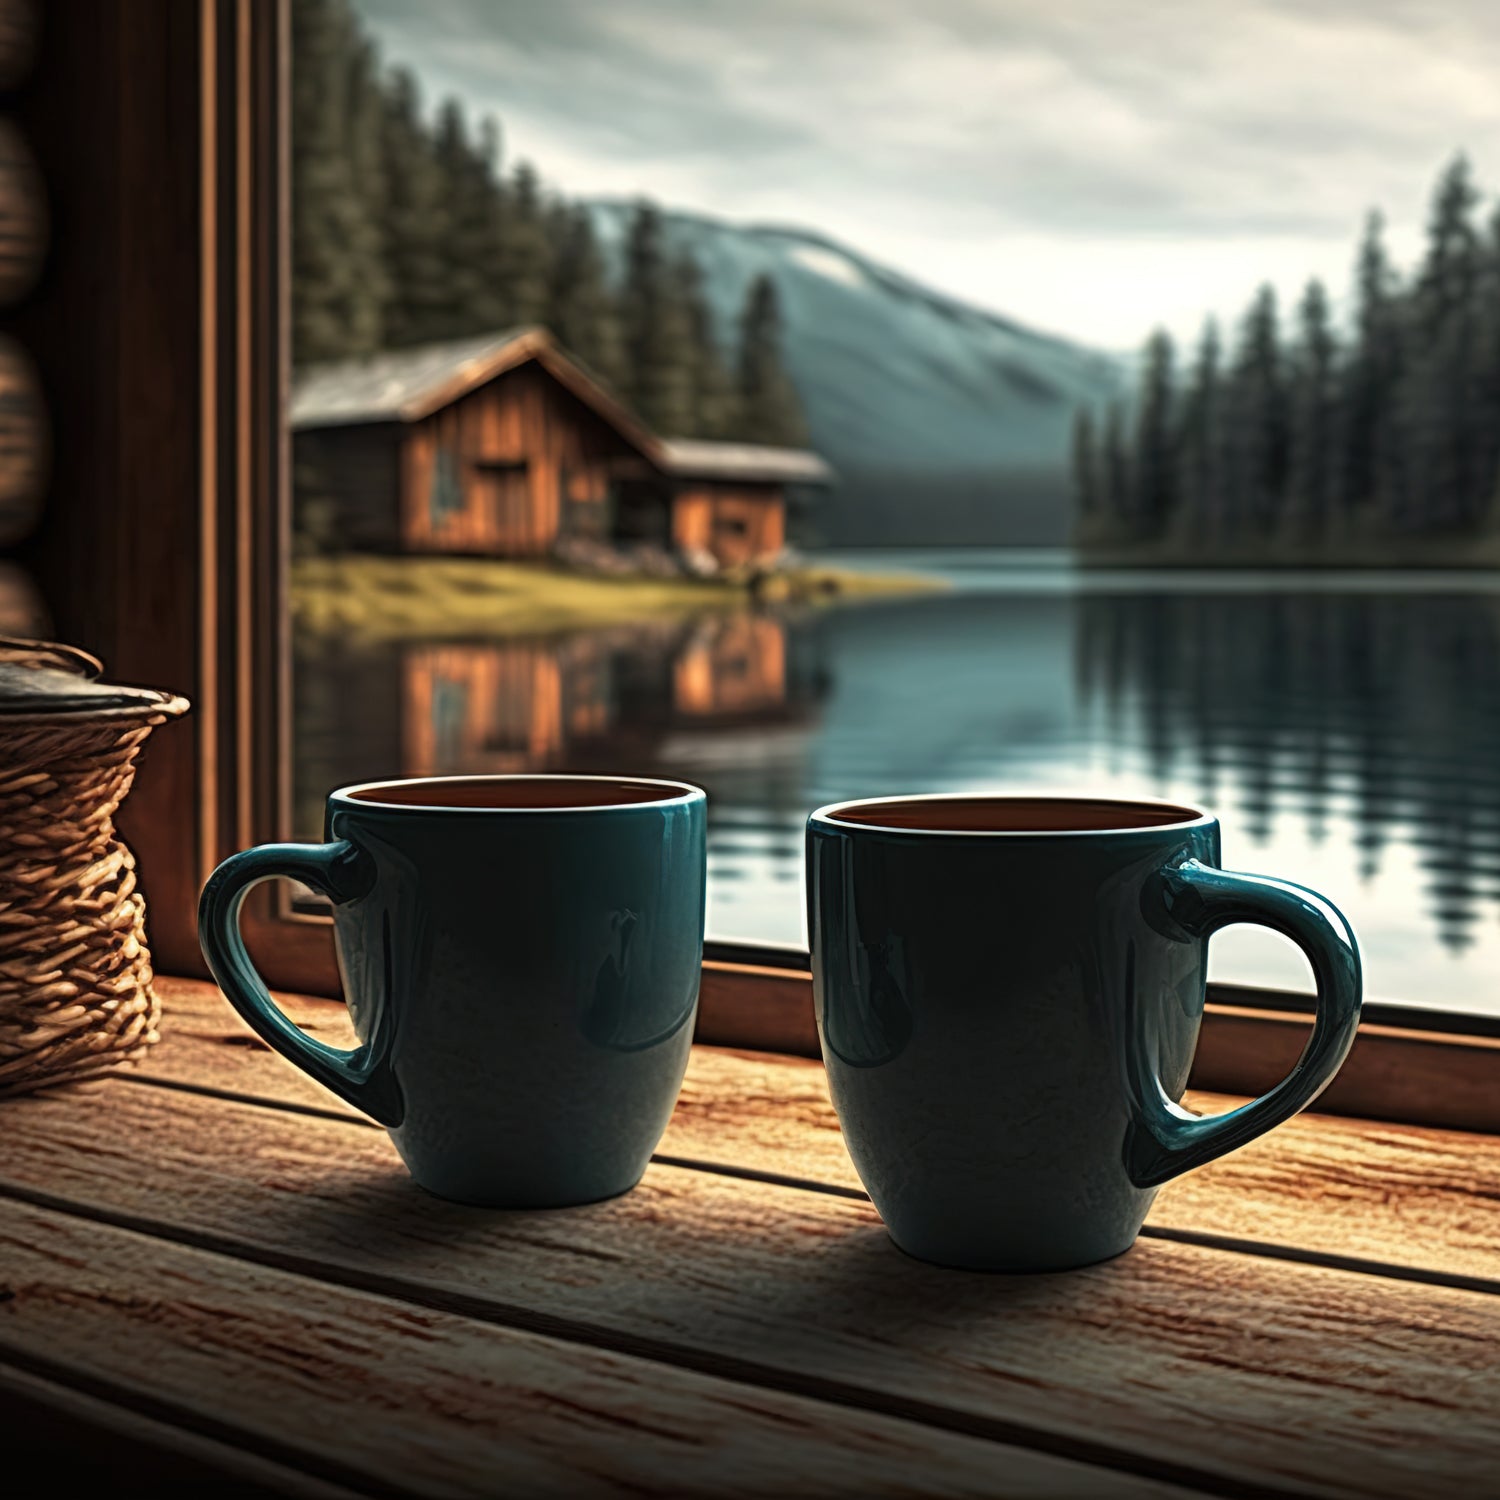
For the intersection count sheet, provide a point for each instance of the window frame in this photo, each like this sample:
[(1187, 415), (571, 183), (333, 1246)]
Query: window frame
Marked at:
[(190, 281)]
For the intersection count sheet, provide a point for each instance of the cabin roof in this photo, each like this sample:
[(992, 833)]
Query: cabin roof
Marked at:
[(693, 458), (400, 385), (406, 385)]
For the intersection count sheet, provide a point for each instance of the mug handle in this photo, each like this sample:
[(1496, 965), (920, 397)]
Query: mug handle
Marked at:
[(361, 1076), (1197, 900)]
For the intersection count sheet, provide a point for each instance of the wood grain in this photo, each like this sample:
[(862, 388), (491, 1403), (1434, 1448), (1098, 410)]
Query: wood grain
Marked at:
[(1235, 1373), (84, 1444), (23, 216), (1398, 1194), (23, 430), (390, 1399)]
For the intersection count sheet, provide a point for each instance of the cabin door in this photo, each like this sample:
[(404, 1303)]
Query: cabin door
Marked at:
[(504, 501)]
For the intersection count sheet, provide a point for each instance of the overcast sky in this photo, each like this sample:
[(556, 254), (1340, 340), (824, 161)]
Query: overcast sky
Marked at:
[(1091, 167)]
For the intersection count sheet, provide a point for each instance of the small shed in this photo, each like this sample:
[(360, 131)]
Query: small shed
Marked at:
[(505, 446)]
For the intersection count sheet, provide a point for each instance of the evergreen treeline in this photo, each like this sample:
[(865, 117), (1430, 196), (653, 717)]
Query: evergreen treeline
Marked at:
[(1318, 442), (407, 231)]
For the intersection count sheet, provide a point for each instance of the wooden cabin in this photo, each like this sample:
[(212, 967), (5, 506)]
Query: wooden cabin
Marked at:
[(504, 446)]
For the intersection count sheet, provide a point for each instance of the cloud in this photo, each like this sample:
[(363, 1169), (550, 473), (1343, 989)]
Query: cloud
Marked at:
[(968, 125)]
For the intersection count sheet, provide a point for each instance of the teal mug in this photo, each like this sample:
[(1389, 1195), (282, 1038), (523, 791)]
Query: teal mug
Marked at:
[(1008, 995), (520, 957)]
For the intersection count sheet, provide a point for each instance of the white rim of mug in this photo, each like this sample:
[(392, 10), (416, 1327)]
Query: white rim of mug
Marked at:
[(828, 816), (685, 793)]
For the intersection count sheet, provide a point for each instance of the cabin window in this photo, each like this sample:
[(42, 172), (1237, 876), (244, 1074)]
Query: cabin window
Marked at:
[(446, 498)]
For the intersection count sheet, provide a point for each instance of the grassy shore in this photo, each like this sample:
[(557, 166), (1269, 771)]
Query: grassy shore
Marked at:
[(382, 597)]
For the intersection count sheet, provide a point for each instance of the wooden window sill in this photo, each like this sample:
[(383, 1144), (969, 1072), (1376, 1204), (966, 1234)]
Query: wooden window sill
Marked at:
[(217, 1246)]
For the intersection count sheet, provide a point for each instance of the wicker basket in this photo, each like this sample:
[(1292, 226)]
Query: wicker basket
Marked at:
[(75, 974)]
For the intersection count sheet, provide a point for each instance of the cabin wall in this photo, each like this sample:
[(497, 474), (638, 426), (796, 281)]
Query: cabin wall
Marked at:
[(346, 493), (507, 470), (737, 524)]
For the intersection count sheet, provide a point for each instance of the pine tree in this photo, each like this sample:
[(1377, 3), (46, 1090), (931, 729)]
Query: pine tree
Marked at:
[(1200, 466), (1116, 487), (1257, 414), (1155, 477), (658, 336), (1365, 473), (716, 412), (581, 309), (1486, 394), (337, 261), (1311, 462), (769, 409), (1443, 488), (525, 268), (477, 296), (1445, 286), (466, 278), (416, 221), (1086, 485)]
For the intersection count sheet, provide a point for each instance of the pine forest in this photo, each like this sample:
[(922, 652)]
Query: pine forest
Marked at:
[(406, 229), (1369, 438)]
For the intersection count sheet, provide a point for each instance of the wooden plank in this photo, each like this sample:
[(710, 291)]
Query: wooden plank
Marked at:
[(390, 1399), (1393, 1073), (117, 326), (1235, 1373), (84, 1444), (1397, 1194), (780, 1019)]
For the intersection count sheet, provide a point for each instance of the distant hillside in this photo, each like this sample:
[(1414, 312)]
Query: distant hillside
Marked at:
[(948, 425)]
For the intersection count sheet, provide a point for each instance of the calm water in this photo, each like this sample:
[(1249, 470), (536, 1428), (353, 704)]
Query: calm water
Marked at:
[(1346, 731)]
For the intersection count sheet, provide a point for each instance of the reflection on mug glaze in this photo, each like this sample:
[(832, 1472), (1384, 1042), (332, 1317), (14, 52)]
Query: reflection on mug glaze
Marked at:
[(624, 1010), (868, 1022)]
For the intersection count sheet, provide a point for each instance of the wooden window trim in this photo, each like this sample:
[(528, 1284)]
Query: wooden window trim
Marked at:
[(161, 336)]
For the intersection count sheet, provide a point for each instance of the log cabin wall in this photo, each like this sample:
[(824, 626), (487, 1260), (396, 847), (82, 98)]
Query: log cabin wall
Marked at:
[(507, 469), (25, 446), (737, 524)]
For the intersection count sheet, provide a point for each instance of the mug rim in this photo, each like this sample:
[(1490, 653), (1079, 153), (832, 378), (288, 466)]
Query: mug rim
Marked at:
[(828, 817), (681, 794)]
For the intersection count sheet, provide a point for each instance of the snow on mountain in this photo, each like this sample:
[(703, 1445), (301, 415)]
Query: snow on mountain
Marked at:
[(948, 425)]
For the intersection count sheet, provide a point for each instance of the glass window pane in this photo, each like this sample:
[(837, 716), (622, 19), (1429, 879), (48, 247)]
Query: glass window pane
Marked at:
[(740, 398)]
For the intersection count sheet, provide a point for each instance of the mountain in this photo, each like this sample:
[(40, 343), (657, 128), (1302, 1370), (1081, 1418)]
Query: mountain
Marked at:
[(948, 425)]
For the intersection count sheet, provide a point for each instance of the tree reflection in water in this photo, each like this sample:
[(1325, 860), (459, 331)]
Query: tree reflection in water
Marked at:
[(1350, 739), (1383, 707)]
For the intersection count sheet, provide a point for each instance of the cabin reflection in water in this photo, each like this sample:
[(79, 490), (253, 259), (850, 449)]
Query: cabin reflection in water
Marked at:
[(597, 700)]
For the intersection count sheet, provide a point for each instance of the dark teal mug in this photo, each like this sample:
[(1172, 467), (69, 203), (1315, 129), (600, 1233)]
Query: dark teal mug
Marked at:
[(1008, 995), (520, 957)]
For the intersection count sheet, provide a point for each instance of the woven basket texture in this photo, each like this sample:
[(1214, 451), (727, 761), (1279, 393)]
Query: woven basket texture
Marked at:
[(76, 992)]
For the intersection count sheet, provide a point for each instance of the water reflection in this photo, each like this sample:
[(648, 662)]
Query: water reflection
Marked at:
[(1382, 709), (616, 700), (1349, 740)]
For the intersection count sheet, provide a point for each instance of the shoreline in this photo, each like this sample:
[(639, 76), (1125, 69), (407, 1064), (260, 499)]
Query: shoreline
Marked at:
[(384, 596)]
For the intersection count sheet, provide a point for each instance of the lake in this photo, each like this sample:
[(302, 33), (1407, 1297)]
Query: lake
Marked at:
[(1346, 728)]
